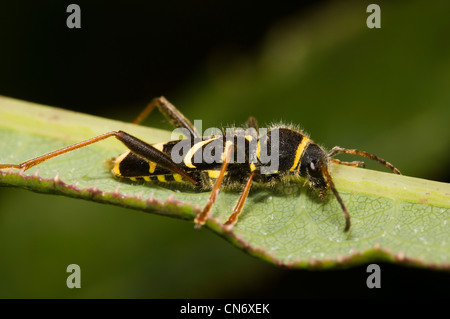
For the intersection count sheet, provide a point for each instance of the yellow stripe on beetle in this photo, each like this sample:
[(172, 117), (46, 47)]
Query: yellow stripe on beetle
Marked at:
[(153, 165), (161, 178), (178, 178), (299, 152), (190, 154), (228, 145), (116, 169), (215, 174)]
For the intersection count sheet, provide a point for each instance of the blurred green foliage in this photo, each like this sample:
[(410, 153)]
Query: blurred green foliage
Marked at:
[(384, 91)]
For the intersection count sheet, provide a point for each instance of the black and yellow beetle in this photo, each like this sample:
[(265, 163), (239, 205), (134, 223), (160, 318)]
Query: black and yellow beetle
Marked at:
[(297, 157)]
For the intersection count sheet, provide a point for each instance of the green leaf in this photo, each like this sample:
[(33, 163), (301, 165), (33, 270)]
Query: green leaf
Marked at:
[(394, 218)]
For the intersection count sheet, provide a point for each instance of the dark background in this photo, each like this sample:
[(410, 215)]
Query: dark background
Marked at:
[(314, 63)]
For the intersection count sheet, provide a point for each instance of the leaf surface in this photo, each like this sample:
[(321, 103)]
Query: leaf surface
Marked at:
[(394, 218)]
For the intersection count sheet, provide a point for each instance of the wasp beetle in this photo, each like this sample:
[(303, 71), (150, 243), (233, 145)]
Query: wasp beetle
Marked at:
[(298, 157)]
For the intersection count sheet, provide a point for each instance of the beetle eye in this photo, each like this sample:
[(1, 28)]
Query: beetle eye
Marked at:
[(312, 166)]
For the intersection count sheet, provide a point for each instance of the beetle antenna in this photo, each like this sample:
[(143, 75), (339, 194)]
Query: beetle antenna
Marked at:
[(338, 197), (336, 150)]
